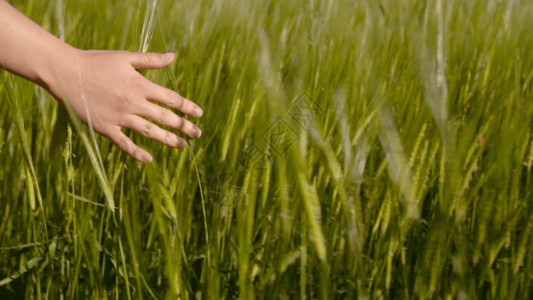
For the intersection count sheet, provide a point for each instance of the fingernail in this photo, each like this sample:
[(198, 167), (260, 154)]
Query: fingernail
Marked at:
[(180, 143), (198, 112), (183, 143), (170, 55), (147, 157), (197, 131)]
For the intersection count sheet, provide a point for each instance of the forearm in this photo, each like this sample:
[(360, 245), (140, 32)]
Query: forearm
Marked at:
[(27, 49)]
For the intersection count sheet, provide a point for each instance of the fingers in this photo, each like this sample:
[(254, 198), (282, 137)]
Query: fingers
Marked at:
[(154, 112), (172, 99), (125, 144), (150, 60), (166, 117), (158, 93), (152, 131)]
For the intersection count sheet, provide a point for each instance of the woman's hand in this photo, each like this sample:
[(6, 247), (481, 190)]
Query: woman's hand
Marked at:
[(104, 89)]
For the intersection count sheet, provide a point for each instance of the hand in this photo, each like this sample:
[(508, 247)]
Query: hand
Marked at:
[(104, 88)]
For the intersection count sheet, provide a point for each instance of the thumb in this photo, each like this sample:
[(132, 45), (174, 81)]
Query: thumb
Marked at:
[(151, 60)]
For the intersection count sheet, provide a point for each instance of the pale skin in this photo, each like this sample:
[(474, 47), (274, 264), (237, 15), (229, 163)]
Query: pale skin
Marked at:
[(101, 87)]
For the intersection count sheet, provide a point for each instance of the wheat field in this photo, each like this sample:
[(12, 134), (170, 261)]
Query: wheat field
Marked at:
[(351, 150)]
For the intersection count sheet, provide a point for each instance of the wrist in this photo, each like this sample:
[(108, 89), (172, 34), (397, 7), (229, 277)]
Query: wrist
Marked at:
[(55, 66)]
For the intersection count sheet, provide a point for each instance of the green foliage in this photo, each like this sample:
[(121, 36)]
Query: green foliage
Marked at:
[(351, 149)]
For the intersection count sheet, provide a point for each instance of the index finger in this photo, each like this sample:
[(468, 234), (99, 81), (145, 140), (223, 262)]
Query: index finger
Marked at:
[(174, 100)]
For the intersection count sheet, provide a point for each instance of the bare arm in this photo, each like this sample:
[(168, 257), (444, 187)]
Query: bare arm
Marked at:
[(102, 87)]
